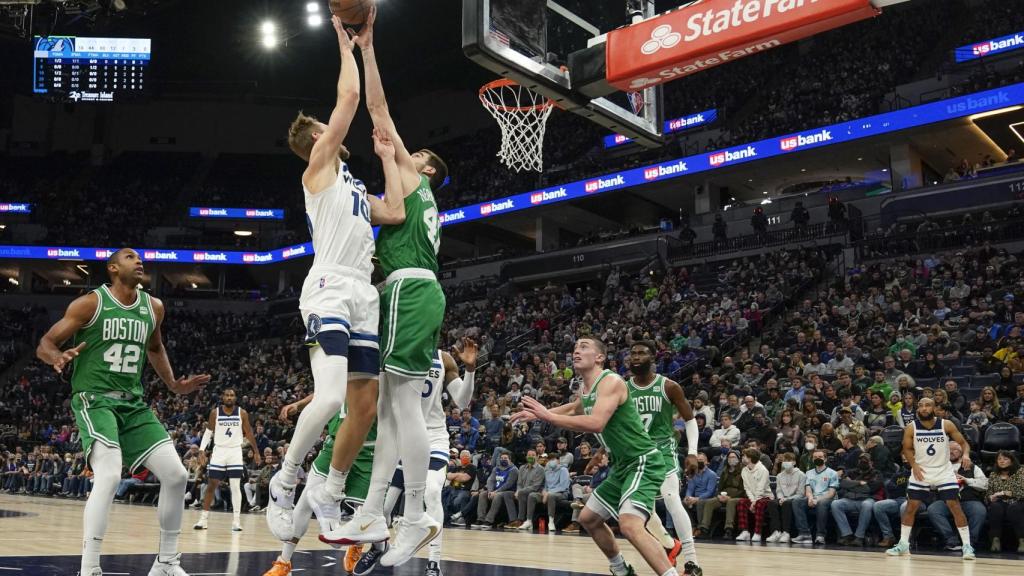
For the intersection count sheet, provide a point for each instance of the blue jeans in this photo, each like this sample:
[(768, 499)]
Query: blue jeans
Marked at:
[(125, 484), (884, 511), (821, 513), (863, 509), (942, 519)]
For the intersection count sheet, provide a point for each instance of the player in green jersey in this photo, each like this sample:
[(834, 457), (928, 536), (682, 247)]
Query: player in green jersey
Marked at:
[(356, 486), (657, 400), (605, 409), (412, 309), (113, 331)]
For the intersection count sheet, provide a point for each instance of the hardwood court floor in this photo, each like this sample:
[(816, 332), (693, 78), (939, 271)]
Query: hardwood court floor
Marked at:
[(42, 536)]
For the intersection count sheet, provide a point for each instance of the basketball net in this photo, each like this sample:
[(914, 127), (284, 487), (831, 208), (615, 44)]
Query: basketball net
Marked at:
[(522, 115)]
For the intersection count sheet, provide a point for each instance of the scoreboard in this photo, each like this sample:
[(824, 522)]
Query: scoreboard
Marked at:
[(77, 69)]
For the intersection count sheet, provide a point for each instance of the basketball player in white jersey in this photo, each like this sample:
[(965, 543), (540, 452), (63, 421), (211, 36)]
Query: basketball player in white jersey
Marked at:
[(339, 304), (227, 425), (926, 448), (443, 375)]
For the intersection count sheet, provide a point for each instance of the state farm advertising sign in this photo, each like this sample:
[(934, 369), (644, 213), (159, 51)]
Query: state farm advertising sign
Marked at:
[(715, 32)]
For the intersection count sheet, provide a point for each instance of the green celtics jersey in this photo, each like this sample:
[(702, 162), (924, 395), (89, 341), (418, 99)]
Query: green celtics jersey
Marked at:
[(414, 243), (332, 431), (623, 436), (115, 345), (655, 409)]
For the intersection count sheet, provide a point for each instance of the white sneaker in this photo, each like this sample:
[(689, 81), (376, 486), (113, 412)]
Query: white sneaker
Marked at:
[(774, 537), (279, 509), (172, 568), (820, 540), (363, 528), (97, 571), (784, 538), (743, 537), (236, 527), (201, 525), (755, 539), (528, 525), (409, 538), (326, 509)]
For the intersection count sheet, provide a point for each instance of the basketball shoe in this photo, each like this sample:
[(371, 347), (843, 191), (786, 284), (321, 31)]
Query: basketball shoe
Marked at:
[(170, 568), (362, 528), (326, 509), (279, 509), (410, 537), (280, 568)]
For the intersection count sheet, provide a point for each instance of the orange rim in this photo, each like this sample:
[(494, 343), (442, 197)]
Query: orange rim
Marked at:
[(506, 83)]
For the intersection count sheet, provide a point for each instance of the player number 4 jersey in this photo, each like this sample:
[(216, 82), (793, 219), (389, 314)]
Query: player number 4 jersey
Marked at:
[(415, 243), (228, 433)]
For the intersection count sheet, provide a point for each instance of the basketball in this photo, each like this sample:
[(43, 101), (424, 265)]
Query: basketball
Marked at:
[(351, 11)]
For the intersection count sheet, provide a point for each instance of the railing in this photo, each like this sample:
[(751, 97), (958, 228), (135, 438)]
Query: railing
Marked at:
[(911, 242), (770, 238)]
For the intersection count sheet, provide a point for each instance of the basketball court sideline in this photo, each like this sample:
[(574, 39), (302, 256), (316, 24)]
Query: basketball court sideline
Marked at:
[(29, 545)]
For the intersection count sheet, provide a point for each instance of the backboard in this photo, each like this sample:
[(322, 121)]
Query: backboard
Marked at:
[(531, 41)]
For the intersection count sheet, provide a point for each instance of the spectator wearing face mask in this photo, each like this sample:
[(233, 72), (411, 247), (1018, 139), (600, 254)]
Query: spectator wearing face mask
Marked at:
[(789, 485), (757, 499), (819, 491), (730, 490), (806, 461), (858, 491), (701, 484), (460, 484), (503, 479), (556, 490), (529, 480)]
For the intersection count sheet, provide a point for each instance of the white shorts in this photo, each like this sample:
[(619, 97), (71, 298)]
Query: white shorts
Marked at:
[(940, 480), (226, 463), (341, 311), (440, 444)]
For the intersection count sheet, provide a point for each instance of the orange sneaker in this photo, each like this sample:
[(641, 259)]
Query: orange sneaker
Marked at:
[(673, 552), (280, 568), (352, 556)]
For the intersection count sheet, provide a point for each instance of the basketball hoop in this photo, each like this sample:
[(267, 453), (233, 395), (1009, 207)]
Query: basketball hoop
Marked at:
[(522, 115)]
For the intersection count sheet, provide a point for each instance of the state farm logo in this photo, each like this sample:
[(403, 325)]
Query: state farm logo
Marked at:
[(660, 171), (495, 207), (724, 157), (800, 140), (545, 196), (603, 184), (661, 37)]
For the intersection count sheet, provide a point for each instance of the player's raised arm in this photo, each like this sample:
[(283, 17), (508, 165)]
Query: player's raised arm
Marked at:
[(461, 389), (391, 210), (321, 170), (157, 355), (678, 398), (78, 314), (377, 104), (609, 398)]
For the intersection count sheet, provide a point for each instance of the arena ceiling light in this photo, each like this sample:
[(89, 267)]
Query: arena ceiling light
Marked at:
[(314, 20), (243, 233), (312, 8)]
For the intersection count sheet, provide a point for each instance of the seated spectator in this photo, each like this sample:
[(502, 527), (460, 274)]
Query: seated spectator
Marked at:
[(1015, 411), (502, 480), (790, 482), (757, 499), (859, 489), (529, 480), (728, 431), (1006, 500), (849, 425), (703, 432), (597, 471), (908, 409), (973, 485), (701, 484), (461, 475), (848, 457), (930, 368), (977, 419), (990, 404), (819, 491), (878, 415), (881, 457), (556, 490), (136, 479), (846, 402), (730, 490)]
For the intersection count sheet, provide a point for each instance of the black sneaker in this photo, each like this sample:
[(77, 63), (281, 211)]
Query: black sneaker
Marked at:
[(369, 560), (433, 569), (729, 535), (951, 547), (691, 569)]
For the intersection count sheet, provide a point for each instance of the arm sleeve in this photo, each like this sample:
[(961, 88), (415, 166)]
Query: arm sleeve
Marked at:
[(461, 389), (692, 437), (207, 437)]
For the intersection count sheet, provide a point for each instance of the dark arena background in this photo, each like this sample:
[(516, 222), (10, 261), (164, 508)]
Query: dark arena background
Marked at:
[(809, 212)]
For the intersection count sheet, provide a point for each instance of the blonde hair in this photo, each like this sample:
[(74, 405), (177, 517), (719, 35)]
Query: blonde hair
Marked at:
[(300, 135)]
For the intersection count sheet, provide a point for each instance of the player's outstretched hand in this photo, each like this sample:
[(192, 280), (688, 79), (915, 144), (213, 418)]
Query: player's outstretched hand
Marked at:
[(188, 385), (382, 144), (343, 39), (365, 37), (468, 354), (534, 409), (67, 356)]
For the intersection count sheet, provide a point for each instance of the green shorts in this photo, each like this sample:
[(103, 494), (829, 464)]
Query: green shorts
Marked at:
[(670, 455), (636, 482), (127, 425), (357, 485), (412, 310)]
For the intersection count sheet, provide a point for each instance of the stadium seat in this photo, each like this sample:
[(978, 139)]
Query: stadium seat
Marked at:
[(893, 438), (980, 381), (964, 370), (999, 436), (973, 436), (927, 382)]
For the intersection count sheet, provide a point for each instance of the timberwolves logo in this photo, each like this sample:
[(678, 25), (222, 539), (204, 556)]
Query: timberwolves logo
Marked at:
[(313, 326)]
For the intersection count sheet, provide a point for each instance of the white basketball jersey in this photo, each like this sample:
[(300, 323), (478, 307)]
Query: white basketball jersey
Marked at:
[(339, 222), (228, 433), (931, 447), (433, 411)]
